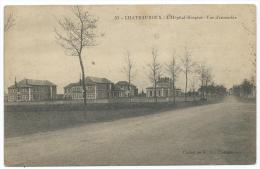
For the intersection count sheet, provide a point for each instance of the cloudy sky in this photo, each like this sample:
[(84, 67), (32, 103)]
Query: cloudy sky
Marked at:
[(31, 50)]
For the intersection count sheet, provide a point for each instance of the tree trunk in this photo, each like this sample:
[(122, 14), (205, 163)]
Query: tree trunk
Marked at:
[(202, 90), (186, 85), (174, 96), (194, 97), (206, 90), (173, 86), (129, 88), (83, 81), (155, 93)]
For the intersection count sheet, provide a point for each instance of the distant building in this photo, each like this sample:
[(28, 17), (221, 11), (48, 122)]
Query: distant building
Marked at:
[(142, 94), (32, 90), (59, 96), (163, 89), (97, 88), (230, 91), (178, 92), (125, 89)]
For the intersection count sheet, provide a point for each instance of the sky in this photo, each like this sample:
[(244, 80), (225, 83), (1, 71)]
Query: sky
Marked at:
[(225, 45)]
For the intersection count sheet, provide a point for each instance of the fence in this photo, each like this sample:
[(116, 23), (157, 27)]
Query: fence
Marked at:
[(112, 100)]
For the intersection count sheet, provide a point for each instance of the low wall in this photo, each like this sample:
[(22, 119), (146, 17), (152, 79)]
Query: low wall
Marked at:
[(112, 100)]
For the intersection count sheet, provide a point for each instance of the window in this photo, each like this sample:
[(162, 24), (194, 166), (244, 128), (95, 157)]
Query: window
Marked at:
[(11, 97), (151, 93), (159, 93), (24, 97)]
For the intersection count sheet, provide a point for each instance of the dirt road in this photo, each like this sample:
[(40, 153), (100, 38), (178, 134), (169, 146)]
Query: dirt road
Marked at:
[(222, 133)]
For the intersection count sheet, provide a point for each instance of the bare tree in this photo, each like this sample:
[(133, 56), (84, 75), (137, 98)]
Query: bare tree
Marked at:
[(201, 70), (205, 77), (155, 71), (193, 87), (75, 34), (208, 78), (9, 22), (253, 77), (253, 61), (187, 68), (173, 70), (128, 70)]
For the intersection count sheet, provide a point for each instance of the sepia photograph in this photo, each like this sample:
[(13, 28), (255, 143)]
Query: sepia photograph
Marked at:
[(129, 85)]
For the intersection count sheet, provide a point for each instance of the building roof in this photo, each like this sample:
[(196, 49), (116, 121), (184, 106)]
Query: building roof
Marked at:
[(117, 88), (124, 83), (163, 88), (72, 84), (164, 79), (158, 87), (89, 80), (92, 79), (32, 82)]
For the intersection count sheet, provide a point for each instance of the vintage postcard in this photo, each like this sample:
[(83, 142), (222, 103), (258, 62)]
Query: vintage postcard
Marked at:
[(129, 85)]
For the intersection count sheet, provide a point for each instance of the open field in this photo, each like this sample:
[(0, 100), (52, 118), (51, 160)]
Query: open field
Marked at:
[(221, 133), (26, 119)]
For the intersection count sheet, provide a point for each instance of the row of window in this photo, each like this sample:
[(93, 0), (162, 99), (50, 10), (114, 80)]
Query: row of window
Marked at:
[(151, 93), (77, 95), (19, 97), (18, 90), (159, 93), (80, 96), (88, 88), (36, 89), (90, 96), (79, 89)]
